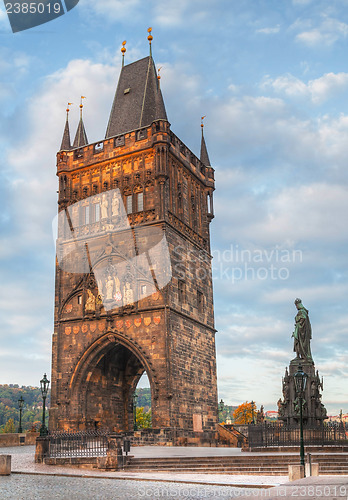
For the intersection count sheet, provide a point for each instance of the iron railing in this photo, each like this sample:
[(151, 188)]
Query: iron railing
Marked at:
[(90, 443), (275, 434)]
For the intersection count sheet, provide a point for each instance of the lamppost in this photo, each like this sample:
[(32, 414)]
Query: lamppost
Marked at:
[(135, 397), (221, 407), (252, 411), (44, 383), (300, 379), (20, 406)]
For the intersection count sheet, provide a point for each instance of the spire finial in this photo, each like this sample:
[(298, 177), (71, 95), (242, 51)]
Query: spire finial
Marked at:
[(202, 124), (123, 50), (158, 75), (150, 38), (68, 109), (81, 105)]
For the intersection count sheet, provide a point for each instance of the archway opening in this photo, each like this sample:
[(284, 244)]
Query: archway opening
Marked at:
[(109, 385), (143, 403)]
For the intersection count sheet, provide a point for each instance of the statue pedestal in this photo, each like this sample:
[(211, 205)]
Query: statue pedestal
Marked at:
[(313, 410)]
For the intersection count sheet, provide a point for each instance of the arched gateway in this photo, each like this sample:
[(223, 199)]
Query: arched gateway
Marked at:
[(133, 274), (104, 380)]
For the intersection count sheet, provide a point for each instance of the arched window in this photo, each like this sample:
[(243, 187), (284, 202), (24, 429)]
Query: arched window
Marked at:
[(140, 201)]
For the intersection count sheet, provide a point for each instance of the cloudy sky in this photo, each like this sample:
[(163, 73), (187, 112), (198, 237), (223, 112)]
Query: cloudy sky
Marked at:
[(272, 79)]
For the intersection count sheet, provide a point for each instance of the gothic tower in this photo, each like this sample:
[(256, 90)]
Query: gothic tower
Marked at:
[(133, 272)]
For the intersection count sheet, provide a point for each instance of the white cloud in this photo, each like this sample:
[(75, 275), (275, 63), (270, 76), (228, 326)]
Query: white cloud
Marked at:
[(317, 90), (329, 31), (269, 31)]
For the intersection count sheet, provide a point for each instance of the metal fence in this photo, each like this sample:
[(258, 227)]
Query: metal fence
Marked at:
[(276, 434), (90, 443)]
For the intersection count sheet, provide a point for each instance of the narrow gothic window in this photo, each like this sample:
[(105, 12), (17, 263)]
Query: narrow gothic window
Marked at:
[(140, 202), (87, 214), (79, 299), (181, 291), (200, 301), (97, 212), (129, 204), (143, 289)]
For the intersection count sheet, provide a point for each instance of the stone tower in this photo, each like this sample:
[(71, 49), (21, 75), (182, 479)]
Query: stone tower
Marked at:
[(313, 410), (133, 276)]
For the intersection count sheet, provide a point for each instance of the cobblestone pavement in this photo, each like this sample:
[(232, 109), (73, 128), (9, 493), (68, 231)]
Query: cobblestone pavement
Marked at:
[(23, 461), (31, 481), (37, 487)]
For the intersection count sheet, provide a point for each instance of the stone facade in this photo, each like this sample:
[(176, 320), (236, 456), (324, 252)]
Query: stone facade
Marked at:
[(126, 205)]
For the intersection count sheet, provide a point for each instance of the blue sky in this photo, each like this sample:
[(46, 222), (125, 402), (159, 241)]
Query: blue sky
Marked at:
[(272, 78)]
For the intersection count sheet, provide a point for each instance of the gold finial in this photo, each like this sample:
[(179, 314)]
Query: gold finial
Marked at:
[(150, 38), (81, 105), (158, 71), (68, 108), (202, 124), (123, 50)]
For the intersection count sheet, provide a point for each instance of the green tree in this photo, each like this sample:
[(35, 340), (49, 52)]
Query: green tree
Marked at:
[(143, 418), (9, 426)]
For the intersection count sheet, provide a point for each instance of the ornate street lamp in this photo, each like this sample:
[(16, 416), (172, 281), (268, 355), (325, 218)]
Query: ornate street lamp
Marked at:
[(300, 379), (252, 411), (44, 383), (135, 397), (20, 406), (221, 407)]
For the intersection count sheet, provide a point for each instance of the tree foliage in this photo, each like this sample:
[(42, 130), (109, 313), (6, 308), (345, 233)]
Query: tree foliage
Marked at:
[(32, 410), (9, 426), (143, 418), (244, 413)]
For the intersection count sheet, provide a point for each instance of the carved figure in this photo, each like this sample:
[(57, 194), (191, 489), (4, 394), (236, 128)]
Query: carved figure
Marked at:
[(286, 390), (104, 207), (117, 294), (128, 294), (280, 407), (90, 302), (109, 285), (115, 205), (302, 333)]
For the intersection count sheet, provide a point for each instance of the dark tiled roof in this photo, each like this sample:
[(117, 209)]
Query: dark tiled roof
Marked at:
[(138, 100), (204, 153), (81, 136), (65, 146)]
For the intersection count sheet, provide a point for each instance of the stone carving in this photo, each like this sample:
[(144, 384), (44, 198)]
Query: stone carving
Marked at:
[(90, 302), (104, 207), (115, 205), (109, 285), (302, 333), (128, 294)]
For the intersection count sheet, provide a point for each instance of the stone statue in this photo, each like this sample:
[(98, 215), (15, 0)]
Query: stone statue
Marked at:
[(128, 294), (303, 333), (90, 302), (115, 205), (104, 207), (109, 285), (286, 390)]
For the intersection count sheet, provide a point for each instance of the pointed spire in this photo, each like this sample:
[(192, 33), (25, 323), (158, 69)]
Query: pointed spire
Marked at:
[(138, 100), (66, 146), (123, 50), (81, 136), (204, 152)]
